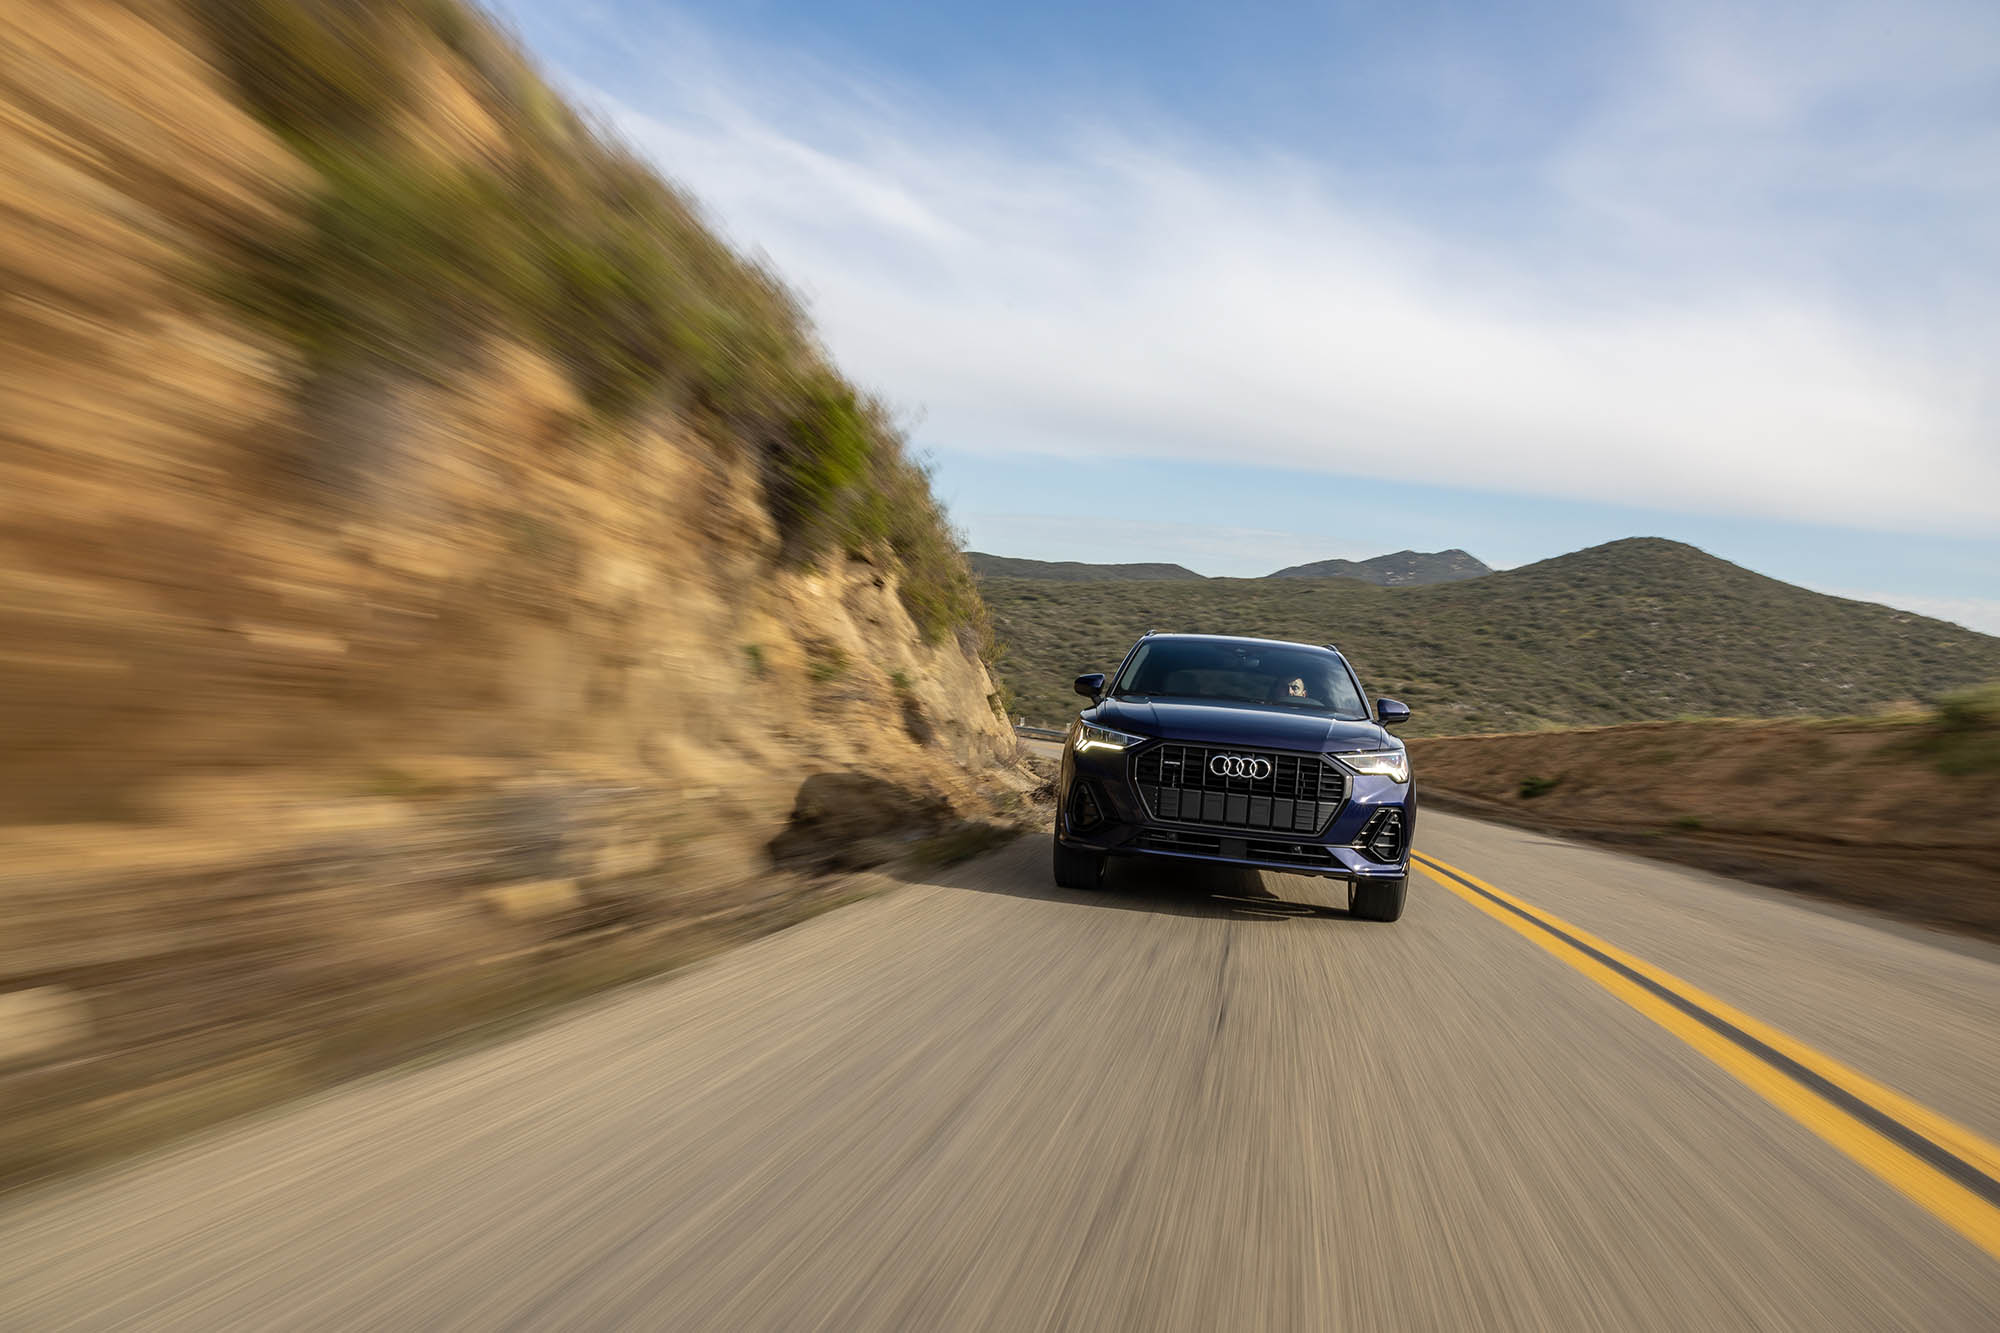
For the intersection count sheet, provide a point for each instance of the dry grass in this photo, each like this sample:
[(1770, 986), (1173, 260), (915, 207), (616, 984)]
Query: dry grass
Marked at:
[(1899, 814)]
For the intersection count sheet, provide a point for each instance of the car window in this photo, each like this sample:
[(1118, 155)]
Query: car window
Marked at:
[(1314, 682)]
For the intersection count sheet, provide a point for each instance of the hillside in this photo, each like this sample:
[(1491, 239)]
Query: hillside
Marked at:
[(1068, 571), (1838, 807), (1630, 631), (1403, 569), (436, 571), (1398, 570)]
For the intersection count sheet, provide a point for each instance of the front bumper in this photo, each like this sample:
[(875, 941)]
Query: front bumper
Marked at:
[(1123, 826)]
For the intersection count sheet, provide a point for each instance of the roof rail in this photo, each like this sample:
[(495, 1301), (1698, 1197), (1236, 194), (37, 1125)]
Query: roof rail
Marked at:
[(1334, 646)]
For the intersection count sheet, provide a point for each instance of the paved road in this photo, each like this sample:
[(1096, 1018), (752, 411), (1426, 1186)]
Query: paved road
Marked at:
[(1189, 1102)]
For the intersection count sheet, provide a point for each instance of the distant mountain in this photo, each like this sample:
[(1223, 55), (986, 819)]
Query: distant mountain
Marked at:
[(1404, 569), (1067, 571), (1629, 631)]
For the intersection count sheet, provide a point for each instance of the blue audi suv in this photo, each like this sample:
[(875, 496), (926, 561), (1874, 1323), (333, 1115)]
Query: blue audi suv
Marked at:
[(1244, 752)]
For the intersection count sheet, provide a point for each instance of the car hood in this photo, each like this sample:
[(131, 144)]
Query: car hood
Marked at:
[(1215, 722)]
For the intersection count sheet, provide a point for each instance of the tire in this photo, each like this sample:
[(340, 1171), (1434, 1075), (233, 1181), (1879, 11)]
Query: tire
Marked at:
[(1377, 899), (1078, 869)]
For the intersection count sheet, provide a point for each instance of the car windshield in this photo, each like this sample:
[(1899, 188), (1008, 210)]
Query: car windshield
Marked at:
[(1258, 673)]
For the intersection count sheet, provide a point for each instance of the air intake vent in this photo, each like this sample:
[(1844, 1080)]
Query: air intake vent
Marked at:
[(1311, 855), (1083, 809), (1382, 840), (1223, 787)]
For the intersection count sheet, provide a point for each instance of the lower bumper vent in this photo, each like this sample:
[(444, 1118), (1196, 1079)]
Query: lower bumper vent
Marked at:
[(1302, 854), (1084, 812), (1382, 840)]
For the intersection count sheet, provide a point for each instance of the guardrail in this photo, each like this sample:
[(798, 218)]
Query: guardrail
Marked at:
[(1040, 733)]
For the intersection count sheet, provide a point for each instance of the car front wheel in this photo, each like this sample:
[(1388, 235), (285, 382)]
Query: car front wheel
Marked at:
[(1076, 869), (1376, 899)]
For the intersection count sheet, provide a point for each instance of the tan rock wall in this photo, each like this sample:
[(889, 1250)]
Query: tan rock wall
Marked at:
[(309, 697)]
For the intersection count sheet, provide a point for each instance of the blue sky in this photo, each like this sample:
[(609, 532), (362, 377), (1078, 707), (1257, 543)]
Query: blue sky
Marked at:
[(1241, 286)]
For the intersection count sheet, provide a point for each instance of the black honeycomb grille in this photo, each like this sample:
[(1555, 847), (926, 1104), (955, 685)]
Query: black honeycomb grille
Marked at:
[(1179, 784)]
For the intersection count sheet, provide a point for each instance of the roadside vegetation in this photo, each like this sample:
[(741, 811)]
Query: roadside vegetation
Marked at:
[(1963, 739), (1634, 630), (409, 261), (1899, 812)]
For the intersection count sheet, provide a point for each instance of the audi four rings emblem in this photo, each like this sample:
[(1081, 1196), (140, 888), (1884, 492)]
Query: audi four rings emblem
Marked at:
[(1240, 766)]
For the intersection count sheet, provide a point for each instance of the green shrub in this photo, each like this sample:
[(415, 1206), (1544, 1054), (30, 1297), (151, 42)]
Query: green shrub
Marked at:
[(312, 67), (827, 663), (937, 587), (1965, 739), (1533, 787), (824, 451), (1002, 700), (1974, 709)]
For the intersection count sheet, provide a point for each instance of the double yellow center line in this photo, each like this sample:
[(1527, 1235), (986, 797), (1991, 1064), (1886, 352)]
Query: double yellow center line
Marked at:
[(1943, 1167)]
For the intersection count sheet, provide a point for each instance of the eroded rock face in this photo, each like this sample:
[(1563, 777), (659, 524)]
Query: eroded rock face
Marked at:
[(211, 569), (306, 691), (850, 819)]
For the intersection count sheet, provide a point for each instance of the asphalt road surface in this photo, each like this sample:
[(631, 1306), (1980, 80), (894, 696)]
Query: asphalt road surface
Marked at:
[(1192, 1101)]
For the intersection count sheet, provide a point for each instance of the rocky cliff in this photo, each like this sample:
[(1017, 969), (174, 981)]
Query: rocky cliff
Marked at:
[(431, 565)]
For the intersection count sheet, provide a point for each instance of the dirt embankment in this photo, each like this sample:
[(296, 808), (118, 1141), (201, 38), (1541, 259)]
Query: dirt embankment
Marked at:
[(342, 710), (1899, 814)]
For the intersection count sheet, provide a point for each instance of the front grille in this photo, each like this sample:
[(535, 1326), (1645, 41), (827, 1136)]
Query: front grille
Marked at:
[(1299, 795)]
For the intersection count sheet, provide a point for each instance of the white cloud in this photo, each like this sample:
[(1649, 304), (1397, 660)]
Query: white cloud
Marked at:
[(1799, 141), (1135, 291)]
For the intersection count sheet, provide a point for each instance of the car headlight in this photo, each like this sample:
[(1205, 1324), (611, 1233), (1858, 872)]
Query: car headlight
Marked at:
[(1103, 738), (1392, 764)]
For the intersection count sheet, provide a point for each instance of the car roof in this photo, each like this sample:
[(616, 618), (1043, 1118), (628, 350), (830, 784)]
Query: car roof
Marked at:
[(1242, 638)]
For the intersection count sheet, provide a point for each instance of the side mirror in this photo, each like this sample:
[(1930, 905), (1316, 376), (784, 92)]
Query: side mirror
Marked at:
[(1091, 686), (1389, 712)]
